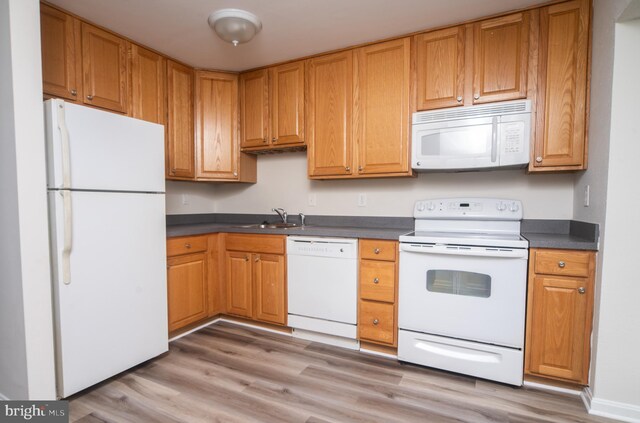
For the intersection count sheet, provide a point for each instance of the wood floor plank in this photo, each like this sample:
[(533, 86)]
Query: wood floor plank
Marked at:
[(231, 373)]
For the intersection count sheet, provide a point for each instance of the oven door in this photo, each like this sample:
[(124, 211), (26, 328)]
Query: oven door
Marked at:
[(472, 293)]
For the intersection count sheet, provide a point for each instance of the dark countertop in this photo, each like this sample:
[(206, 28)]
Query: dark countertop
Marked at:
[(560, 234)]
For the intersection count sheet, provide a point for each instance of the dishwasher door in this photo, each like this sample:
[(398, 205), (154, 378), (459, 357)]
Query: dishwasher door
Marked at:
[(322, 275)]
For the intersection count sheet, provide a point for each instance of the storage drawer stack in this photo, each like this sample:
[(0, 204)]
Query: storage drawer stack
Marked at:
[(378, 287), (559, 314)]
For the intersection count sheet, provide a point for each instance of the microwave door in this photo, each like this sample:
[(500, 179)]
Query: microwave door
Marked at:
[(459, 144)]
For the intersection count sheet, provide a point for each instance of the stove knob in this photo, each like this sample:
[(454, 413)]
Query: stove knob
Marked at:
[(514, 207), (501, 206), (420, 206), (431, 207)]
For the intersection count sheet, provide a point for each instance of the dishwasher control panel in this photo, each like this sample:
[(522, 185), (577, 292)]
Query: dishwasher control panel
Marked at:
[(322, 247)]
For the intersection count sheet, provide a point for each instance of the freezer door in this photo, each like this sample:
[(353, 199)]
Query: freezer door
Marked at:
[(111, 310), (102, 150)]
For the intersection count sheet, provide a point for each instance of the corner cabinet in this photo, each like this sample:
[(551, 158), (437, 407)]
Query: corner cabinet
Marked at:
[(358, 113), (559, 314), (562, 104), (255, 277), (218, 156)]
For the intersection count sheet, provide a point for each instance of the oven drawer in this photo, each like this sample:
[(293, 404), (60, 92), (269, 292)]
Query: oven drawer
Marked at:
[(374, 249), (376, 322), (186, 245), (378, 281), (562, 262)]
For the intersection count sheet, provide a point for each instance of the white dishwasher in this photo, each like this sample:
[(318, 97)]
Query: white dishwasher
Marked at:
[(322, 275)]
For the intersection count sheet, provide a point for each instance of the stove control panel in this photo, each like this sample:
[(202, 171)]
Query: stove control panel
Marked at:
[(469, 208)]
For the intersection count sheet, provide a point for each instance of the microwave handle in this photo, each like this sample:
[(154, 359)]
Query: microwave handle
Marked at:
[(494, 139)]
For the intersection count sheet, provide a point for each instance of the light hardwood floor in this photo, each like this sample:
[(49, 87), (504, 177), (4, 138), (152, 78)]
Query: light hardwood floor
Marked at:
[(229, 373)]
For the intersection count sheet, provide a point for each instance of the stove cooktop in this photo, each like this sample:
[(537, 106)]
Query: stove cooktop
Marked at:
[(478, 239)]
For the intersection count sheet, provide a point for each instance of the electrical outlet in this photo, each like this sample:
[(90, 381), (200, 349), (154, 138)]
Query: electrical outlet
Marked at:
[(587, 195), (362, 200), (185, 200), (313, 200)]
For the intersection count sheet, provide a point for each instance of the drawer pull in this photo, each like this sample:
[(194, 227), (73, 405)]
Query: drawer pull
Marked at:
[(377, 251), (561, 264), (257, 258), (376, 280), (246, 258), (376, 321), (581, 290), (187, 245), (89, 97)]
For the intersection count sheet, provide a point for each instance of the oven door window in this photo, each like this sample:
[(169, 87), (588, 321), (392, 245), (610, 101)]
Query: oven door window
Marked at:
[(457, 282)]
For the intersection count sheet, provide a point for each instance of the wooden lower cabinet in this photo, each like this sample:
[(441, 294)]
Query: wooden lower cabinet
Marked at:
[(256, 277), (378, 292), (559, 314)]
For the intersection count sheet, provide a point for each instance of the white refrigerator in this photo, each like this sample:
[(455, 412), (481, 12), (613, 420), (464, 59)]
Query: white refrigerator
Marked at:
[(105, 180)]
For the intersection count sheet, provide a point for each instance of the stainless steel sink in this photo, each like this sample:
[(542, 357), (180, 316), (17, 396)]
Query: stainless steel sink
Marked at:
[(270, 226)]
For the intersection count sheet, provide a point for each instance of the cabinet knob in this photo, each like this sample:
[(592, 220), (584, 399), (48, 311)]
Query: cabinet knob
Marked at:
[(347, 168), (265, 140), (376, 280), (538, 159), (476, 96), (274, 139), (89, 97), (581, 290), (561, 264), (257, 258), (187, 245), (360, 169), (235, 173), (459, 99), (376, 251), (172, 171), (74, 92), (376, 321), (246, 258)]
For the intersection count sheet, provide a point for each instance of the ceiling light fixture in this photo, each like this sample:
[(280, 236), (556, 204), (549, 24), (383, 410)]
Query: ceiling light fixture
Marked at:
[(235, 26)]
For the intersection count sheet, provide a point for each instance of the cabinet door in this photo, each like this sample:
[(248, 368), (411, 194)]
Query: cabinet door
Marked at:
[(179, 150), (61, 58), (440, 68), (254, 108), (287, 104), (148, 79), (562, 86), (560, 329), (329, 106), (216, 125), (105, 68), (187, 286), (501, 51), (269, 285), (382, 107), (238, 274)]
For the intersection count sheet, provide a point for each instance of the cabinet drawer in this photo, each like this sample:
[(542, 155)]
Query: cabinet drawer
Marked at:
[(376, 322), (562, 262), (378, 280), (374, 249), (270, 244), (186, 245)]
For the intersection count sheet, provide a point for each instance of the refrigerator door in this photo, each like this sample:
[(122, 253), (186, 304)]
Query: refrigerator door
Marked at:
[(111, 308), (101, 150)]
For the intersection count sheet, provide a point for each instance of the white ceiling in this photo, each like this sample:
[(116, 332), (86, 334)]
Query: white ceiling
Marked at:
[(291, 28)]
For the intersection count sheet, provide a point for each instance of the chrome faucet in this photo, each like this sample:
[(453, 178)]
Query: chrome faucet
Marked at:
[(282, 213), (302, 218)]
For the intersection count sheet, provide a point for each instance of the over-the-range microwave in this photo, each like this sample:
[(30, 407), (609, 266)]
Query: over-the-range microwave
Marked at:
[(476, 137)]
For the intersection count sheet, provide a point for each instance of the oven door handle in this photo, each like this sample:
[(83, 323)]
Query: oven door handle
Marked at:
[(466, 251)]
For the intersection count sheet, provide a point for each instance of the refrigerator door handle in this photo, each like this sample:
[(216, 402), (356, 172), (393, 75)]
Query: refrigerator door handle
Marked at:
[(66, 250), (66, 153)]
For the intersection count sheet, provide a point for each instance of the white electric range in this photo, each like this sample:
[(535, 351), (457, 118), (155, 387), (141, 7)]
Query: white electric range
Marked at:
[(462, 294)]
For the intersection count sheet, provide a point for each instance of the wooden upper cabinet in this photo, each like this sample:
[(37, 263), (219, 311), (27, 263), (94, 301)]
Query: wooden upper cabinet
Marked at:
[(329, 114), (105, 69), (254, 108), (287, 103), (217, 149), (440, 68), (270, 292), (61, 54), (501, 52), (148, 80), (180, 146), (382, 107), (239, 292), (560, 142)]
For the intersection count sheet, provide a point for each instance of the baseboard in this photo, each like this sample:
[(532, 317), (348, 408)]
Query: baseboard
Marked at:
[(180, 335), (552, 388), (378, 353), (610, 409), (249, 325)]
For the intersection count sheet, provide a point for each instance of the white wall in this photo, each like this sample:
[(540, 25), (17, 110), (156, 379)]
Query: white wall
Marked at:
[(616, 387), (283, 182), (198, 195), (27, 371)]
